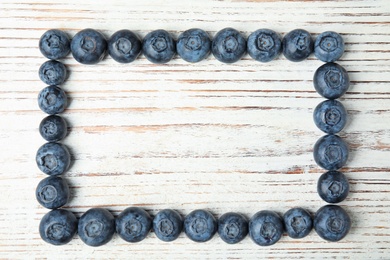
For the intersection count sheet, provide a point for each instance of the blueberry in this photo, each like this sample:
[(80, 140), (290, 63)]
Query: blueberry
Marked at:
[(200, 225), (167, 225), (264, 45), (297, 222), (54, 44), (88, 46), (158, 46), (53, 158), (53, 128), (58, 227), (331, 80), (133, 224), (52, 72), (297, 45), (228, 45), (333, 187), (52, 192), (124, 46), (52, 100), (332, 223), (232, 227), (329, 46), (193, 45), (330, 116), (331, 152), (265, 228), (96, 227)]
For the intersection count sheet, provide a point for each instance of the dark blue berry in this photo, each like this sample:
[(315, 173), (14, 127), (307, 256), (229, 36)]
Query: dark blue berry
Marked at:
[(193, 45), (158, 46), (53, 158), (124, 46), (330, 116), (333, 187), (331, 80), (228, 45), (52, 72), (96, 227), (329, 46), (167, 225), (133, 224), (52, 192), (297, 222), (52, 100), (331, 152), (264, 45), (53, 128), (88, 46), (232, 227), (332, 223), (297, 45), (54, 44), (265, 228), (58, 227), (200, 225)]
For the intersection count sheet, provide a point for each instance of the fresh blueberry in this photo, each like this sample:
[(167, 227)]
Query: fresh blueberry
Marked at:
[(52, 100), (333, 187), (332, 223), (200, 225), (158, 46), (330, 116), (264, 45), (232, 227), (265, 228), (52, 72), (133, 224), (53, 128), (297, 45), (88, 46), (53, 158), (58, 227), (96, 227), (329, 46), (54, 44), (193, 45), (52, 192), (167, 225), (297, 222), (124, 46), (228, 45), (331, 152), (331, 80)]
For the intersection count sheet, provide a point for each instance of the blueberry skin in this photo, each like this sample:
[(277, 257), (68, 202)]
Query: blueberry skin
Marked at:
[(158, 46), (124, 46), (96, 227), (200, 225), (53, 128), (265, 228), (52, 100), (133, 224), (53, 158), (297, 222), (52, 192), (330, 116), (297, 45), (88, 46), (332, 223), (228, 45), (193, 45), (333, 187), (52, 72), (167, 225), (331, 152), (264, 45), (331, 80), (57, 227), (54, 44), (232, 227), (329, 46)]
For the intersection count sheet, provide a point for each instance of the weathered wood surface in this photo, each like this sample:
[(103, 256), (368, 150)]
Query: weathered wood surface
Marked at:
[(185, 136)]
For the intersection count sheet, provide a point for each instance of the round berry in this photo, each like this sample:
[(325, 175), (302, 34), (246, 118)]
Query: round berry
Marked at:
[(331, 152), (193, 45), (297, 45), (57, 227), (133, 224), (88, 46), (228, 45), (52, 72), (297, 222), (330, 116), (331, 80), (53, 128), (332, 223), (333, 187), (158, 46), (167, 225), (200, 225), (329, 46), (265, 228), (52, 100), (264, 45), (53, 158), (232, 227), (54, 44), (52, 192), (124, 46)]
